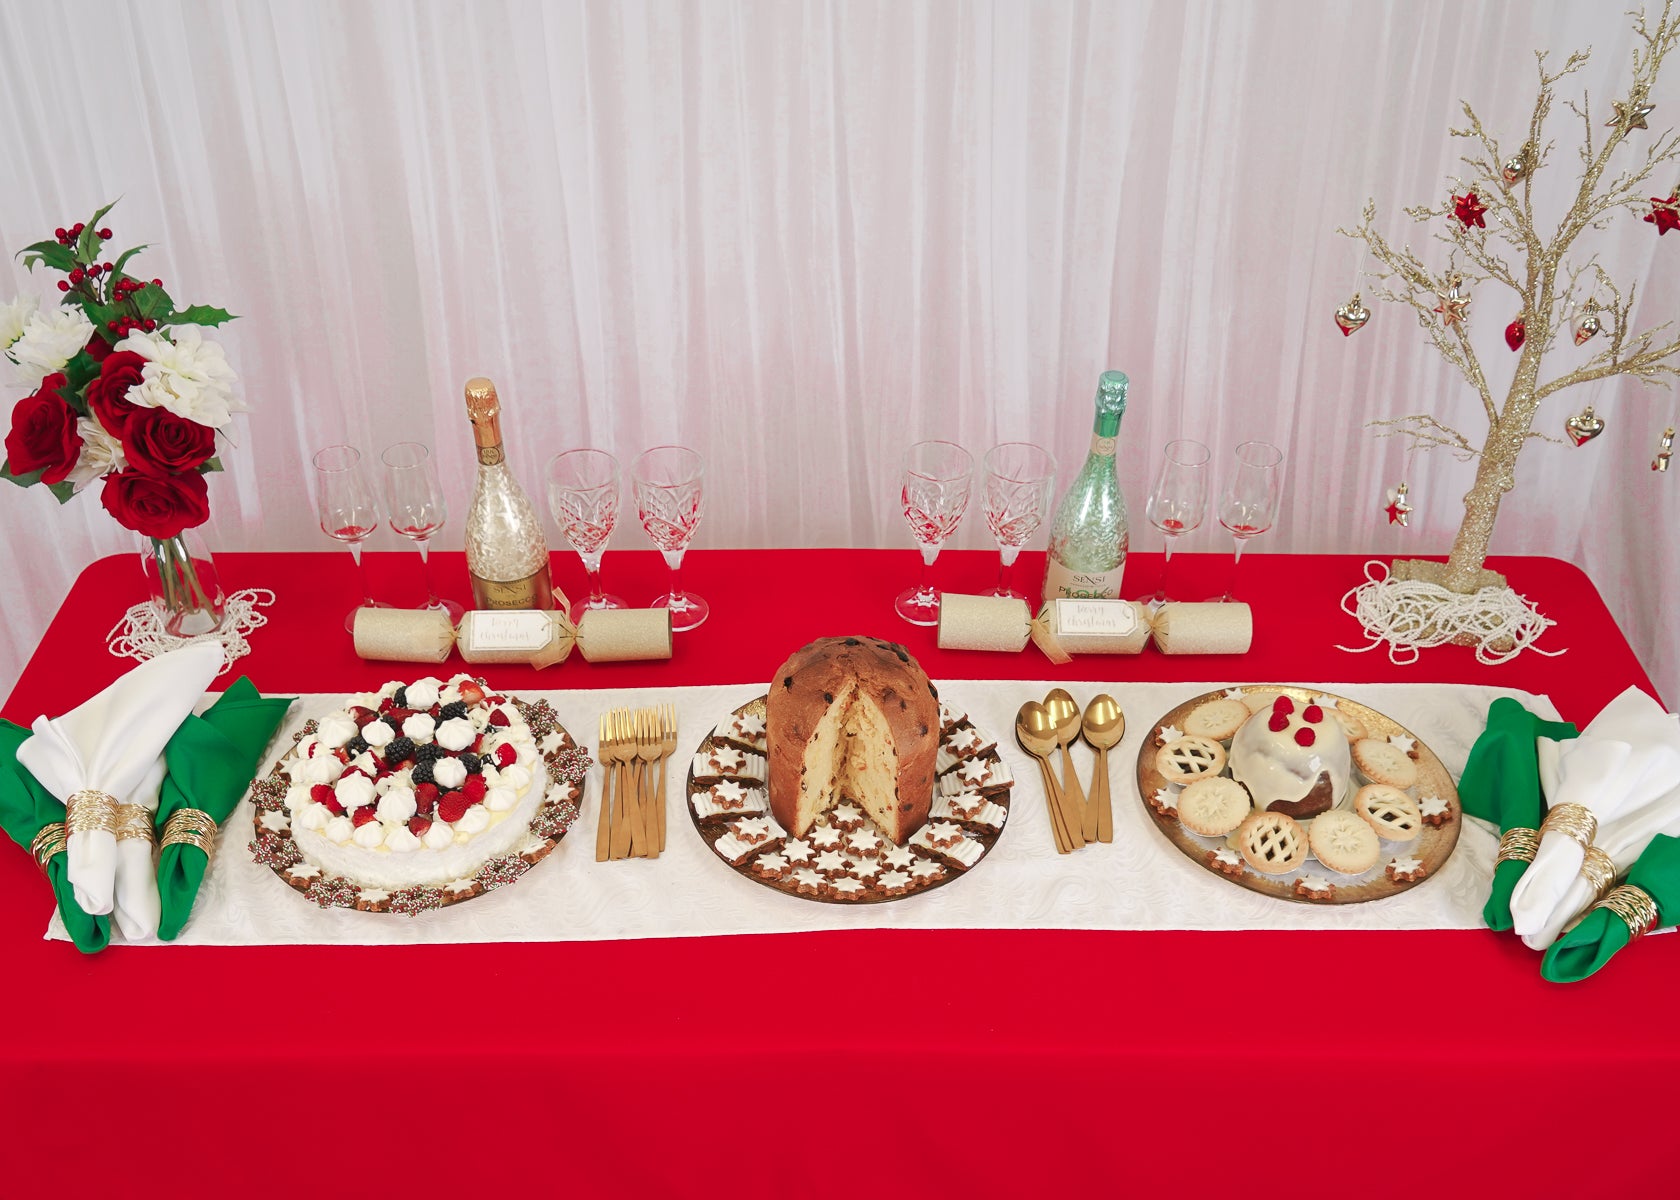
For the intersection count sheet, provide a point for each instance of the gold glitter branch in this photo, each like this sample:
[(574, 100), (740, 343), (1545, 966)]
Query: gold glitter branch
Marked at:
[(1512, 251)]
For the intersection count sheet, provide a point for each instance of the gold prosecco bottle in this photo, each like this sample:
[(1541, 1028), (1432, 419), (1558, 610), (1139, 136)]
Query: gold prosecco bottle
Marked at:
[(507, 555)]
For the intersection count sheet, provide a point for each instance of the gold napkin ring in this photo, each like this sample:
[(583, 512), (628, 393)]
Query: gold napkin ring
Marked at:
[(1599, 869), (133, 823), (1573, 821), (50, 840), (1518, 845), (91, 811), (1633, 905), (191, 827)]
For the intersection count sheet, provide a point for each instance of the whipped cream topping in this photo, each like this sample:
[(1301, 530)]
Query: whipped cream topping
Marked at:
[(449, 772), (474, 820), (397, 805), (456, 733), (353, 791), (335, 729), (369, 834), (439, 835), (419, 727), (378, 734), (422, 693)]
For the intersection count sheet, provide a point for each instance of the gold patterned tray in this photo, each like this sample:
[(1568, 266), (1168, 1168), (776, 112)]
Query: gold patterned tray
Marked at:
[(272, 845), (851, 877), (1430, 849)]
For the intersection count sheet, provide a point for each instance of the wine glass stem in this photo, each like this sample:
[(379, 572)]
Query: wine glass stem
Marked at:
[(1161, 587), (1231, 588), (676, 586), (424, 545), (595, 592), (1003, 573), (361, 569)]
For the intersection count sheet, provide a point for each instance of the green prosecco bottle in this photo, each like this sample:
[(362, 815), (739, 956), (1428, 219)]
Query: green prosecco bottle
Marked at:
[(1090, 536)]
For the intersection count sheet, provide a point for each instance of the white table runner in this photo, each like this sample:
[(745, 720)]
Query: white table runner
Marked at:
[(1139, 882)]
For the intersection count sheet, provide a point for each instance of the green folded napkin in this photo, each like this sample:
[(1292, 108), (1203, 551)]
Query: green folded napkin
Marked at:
[(1601, 933), (26, 806), (1501, 784), (211, 759)]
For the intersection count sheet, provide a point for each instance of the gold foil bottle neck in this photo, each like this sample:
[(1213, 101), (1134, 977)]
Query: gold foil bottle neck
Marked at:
[(484, 411)]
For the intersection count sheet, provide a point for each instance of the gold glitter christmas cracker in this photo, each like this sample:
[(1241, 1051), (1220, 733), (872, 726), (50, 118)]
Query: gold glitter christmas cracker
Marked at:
[(539, 639), (1004, 624)]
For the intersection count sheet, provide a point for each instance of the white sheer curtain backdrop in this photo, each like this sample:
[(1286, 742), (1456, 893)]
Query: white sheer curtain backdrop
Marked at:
[(798, 235)]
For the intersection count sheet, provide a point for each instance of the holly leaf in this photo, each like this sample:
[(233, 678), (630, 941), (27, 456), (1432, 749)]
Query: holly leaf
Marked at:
[(202, 314), (122, 259), (79, 372), (153, 302), (58, 257), (87, 246)]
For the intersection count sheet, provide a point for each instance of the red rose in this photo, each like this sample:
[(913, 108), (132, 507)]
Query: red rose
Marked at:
[(44, 436), (154, 507), (98, 348), (158, 443), (107, 395)]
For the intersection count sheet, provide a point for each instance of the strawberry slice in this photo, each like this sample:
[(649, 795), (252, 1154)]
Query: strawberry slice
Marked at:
[(474, 788), (425, 798), (452, 806), (417, 825), (471, 693), (363, 815), (499, 718), (321, 793)]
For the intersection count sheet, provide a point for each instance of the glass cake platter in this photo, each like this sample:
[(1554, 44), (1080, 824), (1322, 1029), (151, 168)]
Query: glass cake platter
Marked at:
[(1400, 864), (845, 858)]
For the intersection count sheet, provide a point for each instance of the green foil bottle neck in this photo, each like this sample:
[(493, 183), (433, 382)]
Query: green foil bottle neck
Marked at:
[(1111, 403)]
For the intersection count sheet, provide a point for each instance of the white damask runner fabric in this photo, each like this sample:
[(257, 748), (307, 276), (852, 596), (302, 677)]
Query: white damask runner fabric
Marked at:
[(1138, 882)]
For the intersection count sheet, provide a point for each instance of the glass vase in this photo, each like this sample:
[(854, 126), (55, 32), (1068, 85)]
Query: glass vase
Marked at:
[(185, 589)]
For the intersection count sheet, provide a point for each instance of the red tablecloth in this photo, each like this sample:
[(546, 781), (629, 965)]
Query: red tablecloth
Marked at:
[(847, 1063)]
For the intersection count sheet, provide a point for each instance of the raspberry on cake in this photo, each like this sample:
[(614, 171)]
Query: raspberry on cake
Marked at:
[(409, 809), (1292, 758)]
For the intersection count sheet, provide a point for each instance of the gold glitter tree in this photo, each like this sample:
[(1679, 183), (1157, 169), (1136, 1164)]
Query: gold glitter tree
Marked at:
[(1548, 287)]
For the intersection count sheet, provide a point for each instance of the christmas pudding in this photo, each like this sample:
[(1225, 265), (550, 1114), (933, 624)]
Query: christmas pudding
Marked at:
[(1293, 759), (852, 718), (414, 784)]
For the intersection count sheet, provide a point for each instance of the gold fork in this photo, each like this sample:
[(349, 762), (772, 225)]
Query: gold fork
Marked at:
[(624, 750), (603, 826), (667, 747), (647, 750)]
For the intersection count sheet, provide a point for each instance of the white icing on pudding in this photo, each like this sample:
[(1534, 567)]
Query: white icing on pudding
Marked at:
[(1277, 769)]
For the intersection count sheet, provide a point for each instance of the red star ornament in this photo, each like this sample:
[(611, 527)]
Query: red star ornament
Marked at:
[(1665, 213), (1469, 209), (1399, 512)]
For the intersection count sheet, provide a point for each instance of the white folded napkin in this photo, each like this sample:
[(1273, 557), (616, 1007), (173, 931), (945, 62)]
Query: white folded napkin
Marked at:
[(114, 744), (1628, 758)]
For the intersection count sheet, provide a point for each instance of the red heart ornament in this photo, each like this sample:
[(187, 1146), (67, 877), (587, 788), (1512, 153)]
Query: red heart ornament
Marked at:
[(1515, 334)]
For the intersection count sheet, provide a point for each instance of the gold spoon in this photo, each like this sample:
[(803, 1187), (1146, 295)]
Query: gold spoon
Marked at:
[(1103, 728), (1064, 711), (1036, 733)]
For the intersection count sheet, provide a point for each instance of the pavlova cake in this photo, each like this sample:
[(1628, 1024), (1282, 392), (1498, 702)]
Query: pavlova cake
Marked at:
[(414, 784)]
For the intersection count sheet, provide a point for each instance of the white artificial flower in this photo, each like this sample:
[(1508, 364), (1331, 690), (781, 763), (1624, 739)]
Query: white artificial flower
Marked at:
[(49, 340), (101, 454), (189, 376), (13, 318)]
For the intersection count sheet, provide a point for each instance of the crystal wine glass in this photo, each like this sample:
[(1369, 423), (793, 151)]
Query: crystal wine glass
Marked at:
[(1017, 488), (934, 496), (415, 506), (1178, 500), (583, 495), (1249, 505), (349, 511), (667, 481)]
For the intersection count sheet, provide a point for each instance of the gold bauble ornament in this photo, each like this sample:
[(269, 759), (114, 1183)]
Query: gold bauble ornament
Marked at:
[(1584, 426)]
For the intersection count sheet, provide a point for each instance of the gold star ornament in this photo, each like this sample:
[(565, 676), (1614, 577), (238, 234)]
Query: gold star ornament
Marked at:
[(1455, 305), (1630, 114)]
